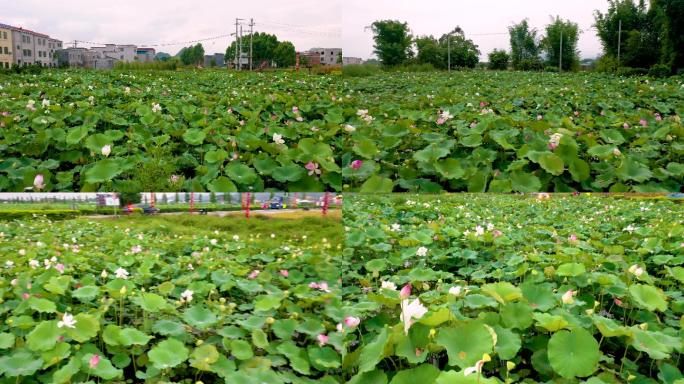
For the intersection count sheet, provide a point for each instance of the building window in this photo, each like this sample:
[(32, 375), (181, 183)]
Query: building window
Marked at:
[(5, 50)]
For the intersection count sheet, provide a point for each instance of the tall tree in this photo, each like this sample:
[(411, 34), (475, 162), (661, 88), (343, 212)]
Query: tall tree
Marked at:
[(671, 15), (498, 60), (392, 42), (285, 55), (524, 47), (640, 41), (464, 52), (569, 33), (429, 51)]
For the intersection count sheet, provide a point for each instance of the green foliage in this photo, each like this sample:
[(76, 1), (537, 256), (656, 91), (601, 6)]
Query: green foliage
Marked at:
[(146, 330), (464, 53), (498, 60), (567, 47), (192, 55), (169, 64), (523, 287), (392, 42), (265, 47), (524, 47), (360, 70)]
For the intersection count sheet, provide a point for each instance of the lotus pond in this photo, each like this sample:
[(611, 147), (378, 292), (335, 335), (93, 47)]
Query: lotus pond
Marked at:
[(516, 289), (171, 299), (169, 131), (505, 131)]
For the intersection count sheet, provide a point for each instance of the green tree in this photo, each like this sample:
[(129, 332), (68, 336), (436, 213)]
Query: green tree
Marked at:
[(429, 51), (640, 42), (669, 14), (263, 47), (552, 44), (285, 55), (498, 60), (524, 47), (392, 42), (464, 52)]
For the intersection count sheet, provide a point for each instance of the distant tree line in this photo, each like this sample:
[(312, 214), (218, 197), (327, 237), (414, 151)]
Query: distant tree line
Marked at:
[(265, 47), (192, 55), (651, 37)]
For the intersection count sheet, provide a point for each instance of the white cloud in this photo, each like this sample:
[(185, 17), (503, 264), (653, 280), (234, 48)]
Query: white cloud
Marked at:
[(306, 23)]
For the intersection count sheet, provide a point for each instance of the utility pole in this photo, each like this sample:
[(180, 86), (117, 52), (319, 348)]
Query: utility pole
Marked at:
[(251, 35), (449, 52), (236, 43), (619, 41), (560, 54), (240, 45)]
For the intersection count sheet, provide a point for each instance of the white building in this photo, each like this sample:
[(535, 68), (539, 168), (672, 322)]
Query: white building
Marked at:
[(34, 48), (125, 53), (351, 60), (329, 56)]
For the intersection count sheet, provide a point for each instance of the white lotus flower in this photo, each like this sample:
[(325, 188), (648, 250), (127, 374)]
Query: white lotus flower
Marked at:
[(46, 103), (478, 365), (156, 107), (389, 285), (456, 290), (396, 227), (278, 139), (349, 128), (479, 231), (67, 321), (121, 273), (414, 310), (422, 251), (33, 263), (187, 295), (106, 150), (636, 270), (104, 274), (567, 297)]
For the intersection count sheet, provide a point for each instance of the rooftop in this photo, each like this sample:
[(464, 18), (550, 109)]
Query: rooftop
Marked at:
[(20, 29)]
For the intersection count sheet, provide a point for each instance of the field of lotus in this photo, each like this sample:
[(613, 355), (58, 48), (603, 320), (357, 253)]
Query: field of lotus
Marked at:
[(168, 131), (507, 131), (181, 299), (492, 288)]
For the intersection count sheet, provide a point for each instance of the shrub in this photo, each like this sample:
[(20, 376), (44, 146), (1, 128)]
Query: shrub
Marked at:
[(659, 70), (360, 70), (606, 63), (629, 71), (498, 60)]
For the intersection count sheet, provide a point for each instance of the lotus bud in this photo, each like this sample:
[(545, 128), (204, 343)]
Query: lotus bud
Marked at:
[(122, 291), (510, 366), (199, 342), (405, 292), (270, 320), (433, 332)]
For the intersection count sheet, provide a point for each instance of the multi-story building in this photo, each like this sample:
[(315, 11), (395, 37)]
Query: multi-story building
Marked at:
[(145, 54), (215, 60), (6, 47), (29, 47), (125, 53), (351, 60), (328, 56), (72, 57)]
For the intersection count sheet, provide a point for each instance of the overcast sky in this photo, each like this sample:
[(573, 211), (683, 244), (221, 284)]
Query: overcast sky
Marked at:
[(435, 17), (306, 23)]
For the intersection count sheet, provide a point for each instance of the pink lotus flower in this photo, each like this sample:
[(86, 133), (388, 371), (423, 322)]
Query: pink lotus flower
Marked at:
[(356, 164), (26, 295), (405, 292), (352, 322), (312, 168), (254, 274), (313, 285), (60, 267), (483, 103), (94, 361), (658, 117), (497, 233), (572, 238), (625, 126), (322, 339), (38, 182), (441, 121), (617, 302), (284, 272), (643, 123)]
